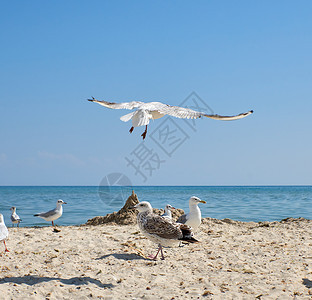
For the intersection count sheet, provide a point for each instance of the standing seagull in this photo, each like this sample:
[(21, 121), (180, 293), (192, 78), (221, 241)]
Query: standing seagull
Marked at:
[(161, 230), (4, 233), (168, 213), (53, 214), (14, 216), (193, 218), (154, 110)]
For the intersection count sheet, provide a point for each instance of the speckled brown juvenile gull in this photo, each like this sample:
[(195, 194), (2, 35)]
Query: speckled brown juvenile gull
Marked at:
[(161, 230)]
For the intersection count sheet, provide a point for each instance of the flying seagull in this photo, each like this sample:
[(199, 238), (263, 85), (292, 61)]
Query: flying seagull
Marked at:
[(4, 233), (168, 213), (193, 218), (14, 216), (53, 214), (154, 110), (161, 230)]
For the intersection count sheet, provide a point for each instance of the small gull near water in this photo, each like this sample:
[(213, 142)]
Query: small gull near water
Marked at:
[(53, 214), (14, 217), (168, 213), (193, 218)]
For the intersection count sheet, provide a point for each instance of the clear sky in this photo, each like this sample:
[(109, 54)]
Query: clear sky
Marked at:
[(235, 55)]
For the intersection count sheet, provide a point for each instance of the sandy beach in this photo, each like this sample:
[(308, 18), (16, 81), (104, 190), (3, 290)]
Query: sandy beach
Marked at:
[(234, 260)]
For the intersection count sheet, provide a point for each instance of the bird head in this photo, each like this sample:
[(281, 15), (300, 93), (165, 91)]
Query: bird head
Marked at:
[(60, 202), (195, 200), (143, 206), (169, 207), (13, 208)]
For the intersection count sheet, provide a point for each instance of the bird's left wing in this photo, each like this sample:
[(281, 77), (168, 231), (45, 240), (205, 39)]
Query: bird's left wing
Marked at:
[(113, 105), (162, 227)]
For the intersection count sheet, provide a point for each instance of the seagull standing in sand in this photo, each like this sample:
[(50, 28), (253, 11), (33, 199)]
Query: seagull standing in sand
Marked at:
[(53, 214), (193, 218), (154, 110), (14, 216), (168, 213), (161, 230), (4, 233)]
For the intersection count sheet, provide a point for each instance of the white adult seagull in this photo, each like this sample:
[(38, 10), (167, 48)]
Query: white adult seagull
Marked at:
[(53, 214), (4, 233), (193, 218), (154, 110), (168, 213), (15, 219)]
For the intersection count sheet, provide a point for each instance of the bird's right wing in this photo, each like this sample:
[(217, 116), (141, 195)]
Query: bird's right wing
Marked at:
[(178, 112), (229, 118), (182, 219), (47, 214), (3, 232), (113, 105), (187, 113)]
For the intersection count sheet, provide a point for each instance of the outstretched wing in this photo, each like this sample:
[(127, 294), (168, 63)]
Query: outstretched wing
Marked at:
[(187, 113), (229, 118), (178, 112), (162, 227), (113, 105)]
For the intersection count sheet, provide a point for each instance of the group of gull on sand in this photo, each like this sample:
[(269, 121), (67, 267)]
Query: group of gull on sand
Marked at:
[(160, 229), (49, 216), (163, 231)]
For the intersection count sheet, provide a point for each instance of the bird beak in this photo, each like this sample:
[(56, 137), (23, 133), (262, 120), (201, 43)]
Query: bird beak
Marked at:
[(173, 207), (202, 201), (132, 207), (64, 202)]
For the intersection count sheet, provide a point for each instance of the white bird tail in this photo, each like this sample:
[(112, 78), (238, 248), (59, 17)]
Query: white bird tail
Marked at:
[(127, 117)]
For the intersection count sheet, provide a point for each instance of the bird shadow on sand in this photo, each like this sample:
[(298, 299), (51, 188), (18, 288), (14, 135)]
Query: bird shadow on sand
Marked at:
[(32, 280), (123, 256), (306, 282)]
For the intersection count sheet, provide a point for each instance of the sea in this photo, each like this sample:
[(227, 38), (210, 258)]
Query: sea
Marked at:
[(243, 203)]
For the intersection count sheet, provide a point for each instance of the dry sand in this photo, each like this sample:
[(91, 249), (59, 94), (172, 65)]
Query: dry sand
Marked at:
[(234, 260)]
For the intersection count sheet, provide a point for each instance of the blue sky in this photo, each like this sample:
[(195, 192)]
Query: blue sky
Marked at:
[(235, 55)]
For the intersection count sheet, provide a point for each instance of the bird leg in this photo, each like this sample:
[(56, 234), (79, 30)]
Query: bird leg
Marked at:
[(131, 129), (162, 254), (52, 223), (159, 250), (6, 249), (144, 133)]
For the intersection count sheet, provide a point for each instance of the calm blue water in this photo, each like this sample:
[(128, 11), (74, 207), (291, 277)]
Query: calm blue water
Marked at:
[(238, 203)]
